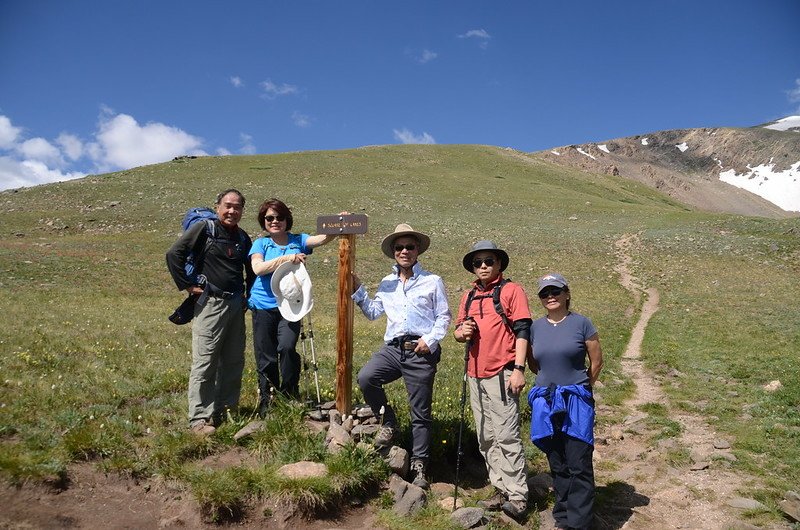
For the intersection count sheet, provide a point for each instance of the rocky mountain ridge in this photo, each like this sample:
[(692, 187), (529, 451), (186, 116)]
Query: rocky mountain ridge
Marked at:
[(753, 171)]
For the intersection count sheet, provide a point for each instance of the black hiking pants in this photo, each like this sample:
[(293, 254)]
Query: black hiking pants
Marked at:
[(277, 361)]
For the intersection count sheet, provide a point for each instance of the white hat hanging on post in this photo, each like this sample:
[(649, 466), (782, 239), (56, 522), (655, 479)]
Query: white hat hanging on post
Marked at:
[(291, 285)]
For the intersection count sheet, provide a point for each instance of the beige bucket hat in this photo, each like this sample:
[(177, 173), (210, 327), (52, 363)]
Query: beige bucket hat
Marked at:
[(387, 245)]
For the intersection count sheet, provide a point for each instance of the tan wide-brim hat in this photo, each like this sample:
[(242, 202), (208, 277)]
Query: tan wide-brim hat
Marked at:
[(291, 286), (387, 245)]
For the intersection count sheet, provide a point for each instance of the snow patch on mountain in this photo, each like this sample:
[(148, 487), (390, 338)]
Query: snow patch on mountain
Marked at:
[(604, 147), (779, 187), (682, 146), (581, 151), (784, 124)]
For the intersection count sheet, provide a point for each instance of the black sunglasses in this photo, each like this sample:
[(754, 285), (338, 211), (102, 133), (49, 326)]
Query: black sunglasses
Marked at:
[(399, 248), (477, 262), (270, 218), (547, 293)]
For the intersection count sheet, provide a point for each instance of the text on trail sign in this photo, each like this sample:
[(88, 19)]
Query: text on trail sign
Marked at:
[(342, 224)]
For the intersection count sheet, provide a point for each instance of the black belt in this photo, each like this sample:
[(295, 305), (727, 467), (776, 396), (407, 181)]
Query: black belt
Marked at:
[(398, 341)]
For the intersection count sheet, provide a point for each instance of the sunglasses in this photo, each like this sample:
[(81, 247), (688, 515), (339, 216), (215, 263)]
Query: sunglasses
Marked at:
[(270, 218), (477, 262), (547, 293), (400, 248)]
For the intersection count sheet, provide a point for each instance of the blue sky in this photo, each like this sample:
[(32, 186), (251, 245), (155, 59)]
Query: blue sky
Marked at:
[(90, 86)]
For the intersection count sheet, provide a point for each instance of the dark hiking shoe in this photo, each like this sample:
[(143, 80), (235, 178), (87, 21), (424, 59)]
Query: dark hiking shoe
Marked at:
[(515, 509), (385, 436), (494, 502), (418, 474)]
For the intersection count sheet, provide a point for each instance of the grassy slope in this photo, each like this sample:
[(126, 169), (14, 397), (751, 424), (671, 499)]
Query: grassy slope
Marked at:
[(86, 341)]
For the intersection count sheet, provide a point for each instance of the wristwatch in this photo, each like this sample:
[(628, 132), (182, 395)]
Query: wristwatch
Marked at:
[(520, 367)]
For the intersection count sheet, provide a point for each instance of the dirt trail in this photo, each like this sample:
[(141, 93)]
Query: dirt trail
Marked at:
[(642, 489)]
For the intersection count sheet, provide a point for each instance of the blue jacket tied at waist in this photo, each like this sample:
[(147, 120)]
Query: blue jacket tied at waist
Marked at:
[(574, 400)]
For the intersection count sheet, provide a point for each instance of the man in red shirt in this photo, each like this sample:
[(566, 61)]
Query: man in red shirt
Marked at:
[(495, 318)]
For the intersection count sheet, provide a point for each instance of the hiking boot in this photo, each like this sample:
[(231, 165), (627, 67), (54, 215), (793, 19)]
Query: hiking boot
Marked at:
[(203, 428), (494, 502), (515, 509), (385, 436), (418, 474)]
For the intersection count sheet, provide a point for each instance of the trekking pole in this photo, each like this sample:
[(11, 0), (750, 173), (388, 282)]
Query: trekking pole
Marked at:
[(314, 358), (467, 346), (305, 362)]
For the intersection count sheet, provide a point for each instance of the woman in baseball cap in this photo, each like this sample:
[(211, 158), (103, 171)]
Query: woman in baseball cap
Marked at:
[(562, 417)]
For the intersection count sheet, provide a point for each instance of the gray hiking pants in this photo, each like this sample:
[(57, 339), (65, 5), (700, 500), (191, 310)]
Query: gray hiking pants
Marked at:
[(218, 341)]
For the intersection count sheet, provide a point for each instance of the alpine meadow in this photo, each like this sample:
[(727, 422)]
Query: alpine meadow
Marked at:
[(95, 376)]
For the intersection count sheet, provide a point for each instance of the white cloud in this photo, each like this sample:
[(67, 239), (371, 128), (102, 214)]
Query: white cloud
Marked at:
[(71, 145), (8, 133), (236, 81), (272, 90), (301, 120), (16, 173), (40, 150), (427, 56), (123, 143), (248, 147), (221, 151), (481, 35), (407, 137)]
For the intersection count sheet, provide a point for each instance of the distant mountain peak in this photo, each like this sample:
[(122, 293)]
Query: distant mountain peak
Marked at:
[(749, 171)]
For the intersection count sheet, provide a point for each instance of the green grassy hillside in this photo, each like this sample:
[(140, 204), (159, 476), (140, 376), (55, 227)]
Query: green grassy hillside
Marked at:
[(92, 369)]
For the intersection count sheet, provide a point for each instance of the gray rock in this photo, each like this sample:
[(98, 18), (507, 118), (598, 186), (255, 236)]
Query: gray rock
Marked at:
[(337, 438), (328, 405), (334, 416), (359, 432), (249, 429), (347, 423), (408, 498), (721, 444), (467, 517), (442, 489), (303, 469), (363, 412), (318, 415), (745, 504), (397, 486), (791, 505), (315, 426), (634, 418), (398, 460), (700, 465)]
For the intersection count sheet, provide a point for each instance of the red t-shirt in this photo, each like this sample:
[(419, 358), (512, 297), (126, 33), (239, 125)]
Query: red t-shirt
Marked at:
[(495, 345)]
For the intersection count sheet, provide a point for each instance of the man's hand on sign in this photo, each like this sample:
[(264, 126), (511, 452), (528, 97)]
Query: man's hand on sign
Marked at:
[(356, 281)]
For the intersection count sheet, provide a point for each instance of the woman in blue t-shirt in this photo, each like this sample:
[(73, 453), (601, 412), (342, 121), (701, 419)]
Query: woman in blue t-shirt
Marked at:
[(562, 416), (275, 338)]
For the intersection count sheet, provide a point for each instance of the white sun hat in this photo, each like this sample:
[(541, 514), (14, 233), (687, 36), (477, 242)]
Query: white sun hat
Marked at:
[(291, 285)]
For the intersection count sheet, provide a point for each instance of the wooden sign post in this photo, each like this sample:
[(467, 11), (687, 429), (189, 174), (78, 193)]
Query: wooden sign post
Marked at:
[(346, 226)]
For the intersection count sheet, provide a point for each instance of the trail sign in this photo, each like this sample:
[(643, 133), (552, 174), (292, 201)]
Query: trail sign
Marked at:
[(346, 226), (342, 224)]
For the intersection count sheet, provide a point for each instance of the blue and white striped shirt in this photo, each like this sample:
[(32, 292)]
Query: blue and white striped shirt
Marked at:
[(416, 307)]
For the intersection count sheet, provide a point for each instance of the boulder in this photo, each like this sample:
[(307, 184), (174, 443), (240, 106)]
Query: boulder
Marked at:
[(303, 469), (791, 505), (249, 429), (467, 517), (398, 460)]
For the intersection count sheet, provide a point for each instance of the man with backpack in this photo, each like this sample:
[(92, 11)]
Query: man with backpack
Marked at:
[(214, 251), (494, 319)]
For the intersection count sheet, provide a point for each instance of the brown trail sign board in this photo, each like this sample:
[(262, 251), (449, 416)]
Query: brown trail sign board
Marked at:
[(346, 226)]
